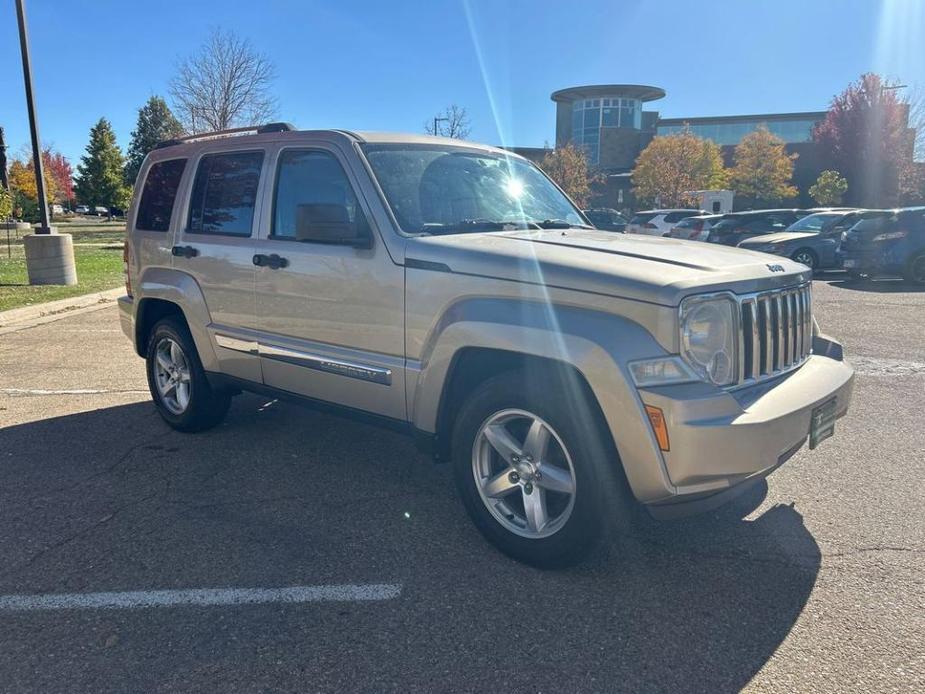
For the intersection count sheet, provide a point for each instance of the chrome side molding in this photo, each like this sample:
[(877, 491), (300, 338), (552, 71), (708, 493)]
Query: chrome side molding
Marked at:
[(364, 372)]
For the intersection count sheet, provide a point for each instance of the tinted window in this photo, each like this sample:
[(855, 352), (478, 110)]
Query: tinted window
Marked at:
[(224, 194), (312, 190), (158, 195), (688, 223), (675, 216), (642, 218), (875, 222)]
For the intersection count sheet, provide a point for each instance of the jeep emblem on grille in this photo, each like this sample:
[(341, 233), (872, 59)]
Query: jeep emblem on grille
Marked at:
[(776, 268)]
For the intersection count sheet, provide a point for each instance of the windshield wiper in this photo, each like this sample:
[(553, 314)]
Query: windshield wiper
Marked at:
[(476, 225), (560, 224)]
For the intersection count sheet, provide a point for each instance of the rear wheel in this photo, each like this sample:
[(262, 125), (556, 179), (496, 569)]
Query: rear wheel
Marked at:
[(915, 271), (177, 381), (534, 472)]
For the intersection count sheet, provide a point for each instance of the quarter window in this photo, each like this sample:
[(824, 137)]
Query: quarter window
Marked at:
[(224, 194), (313, 195), (158, 195)]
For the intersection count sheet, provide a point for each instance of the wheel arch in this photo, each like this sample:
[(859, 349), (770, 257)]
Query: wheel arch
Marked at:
[(164, 291), (588, 349)]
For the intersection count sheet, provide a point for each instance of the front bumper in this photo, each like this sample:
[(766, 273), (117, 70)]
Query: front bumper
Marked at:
[(720, 440)]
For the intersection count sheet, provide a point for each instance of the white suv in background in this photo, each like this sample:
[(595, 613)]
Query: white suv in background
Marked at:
[(658, 222)]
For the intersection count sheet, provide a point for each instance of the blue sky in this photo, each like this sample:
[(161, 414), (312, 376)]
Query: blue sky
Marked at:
[(391, 65)]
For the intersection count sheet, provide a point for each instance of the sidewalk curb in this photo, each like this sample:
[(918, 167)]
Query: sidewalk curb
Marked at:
[(29, 316)]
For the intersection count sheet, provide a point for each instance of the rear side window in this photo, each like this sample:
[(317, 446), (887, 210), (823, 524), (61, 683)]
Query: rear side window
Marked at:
[(224, 193), (676, 216), (158, 195), (689, 223), (642, 218)]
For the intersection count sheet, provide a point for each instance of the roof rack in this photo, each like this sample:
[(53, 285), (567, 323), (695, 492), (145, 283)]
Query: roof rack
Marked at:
[(230, 132)]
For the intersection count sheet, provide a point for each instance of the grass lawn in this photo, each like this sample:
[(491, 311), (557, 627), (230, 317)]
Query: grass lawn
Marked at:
[(98, 269)]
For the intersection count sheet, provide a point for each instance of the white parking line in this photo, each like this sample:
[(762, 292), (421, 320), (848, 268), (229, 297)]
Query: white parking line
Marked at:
[(67, 391), (200, 597)]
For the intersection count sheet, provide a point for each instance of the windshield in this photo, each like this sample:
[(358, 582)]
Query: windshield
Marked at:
[(441, 189), (874, 222), (814, 222)]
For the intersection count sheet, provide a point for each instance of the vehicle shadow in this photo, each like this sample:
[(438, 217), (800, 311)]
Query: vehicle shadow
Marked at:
[(878, 286), (111, 499)]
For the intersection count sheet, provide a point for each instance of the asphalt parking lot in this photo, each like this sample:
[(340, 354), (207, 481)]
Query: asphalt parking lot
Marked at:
[(813, 584)]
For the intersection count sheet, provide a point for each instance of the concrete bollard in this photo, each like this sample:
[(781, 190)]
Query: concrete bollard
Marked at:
[(50, 258)]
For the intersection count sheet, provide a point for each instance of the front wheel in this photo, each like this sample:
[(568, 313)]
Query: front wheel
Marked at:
[(806, 257), (915, 271), (534, 472), (177, 381)]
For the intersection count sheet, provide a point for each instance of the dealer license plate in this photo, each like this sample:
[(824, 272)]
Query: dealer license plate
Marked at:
[(822, 423)]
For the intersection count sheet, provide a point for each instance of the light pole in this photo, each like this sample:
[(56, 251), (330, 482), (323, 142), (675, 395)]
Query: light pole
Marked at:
[(38, 164), (49, 255), (437, 119)]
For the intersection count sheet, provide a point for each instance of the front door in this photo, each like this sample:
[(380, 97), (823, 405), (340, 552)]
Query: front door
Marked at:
[(330, 310), (216, 247)]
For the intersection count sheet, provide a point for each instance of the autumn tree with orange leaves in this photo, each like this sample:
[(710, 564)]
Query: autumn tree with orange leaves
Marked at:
[(672, 166)]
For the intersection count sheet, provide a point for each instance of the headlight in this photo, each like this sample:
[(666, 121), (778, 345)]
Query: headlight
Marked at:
[(708, 337)]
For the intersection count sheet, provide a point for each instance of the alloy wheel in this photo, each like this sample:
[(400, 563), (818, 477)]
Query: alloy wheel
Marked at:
[(172, 375), (524, 473), (806, 259), (918, 270)]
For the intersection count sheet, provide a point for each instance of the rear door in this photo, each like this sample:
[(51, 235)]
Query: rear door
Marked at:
[(330, 310), (216, 247)]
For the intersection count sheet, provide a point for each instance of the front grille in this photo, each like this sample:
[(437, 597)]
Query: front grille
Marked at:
[(775, 332)]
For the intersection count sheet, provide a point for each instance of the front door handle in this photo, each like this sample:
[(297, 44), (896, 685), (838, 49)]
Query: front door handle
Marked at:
[(272, 261), (184, 251)]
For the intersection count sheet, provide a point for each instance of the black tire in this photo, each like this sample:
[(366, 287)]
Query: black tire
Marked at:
[(915, 270), (807, 256), (206, 406), (602, 499)]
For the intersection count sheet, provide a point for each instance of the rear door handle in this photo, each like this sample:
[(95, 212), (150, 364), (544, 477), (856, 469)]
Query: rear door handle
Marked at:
[(184, 251), (272, 261)]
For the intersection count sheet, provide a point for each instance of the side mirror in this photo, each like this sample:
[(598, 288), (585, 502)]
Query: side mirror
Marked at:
[(331, 224)]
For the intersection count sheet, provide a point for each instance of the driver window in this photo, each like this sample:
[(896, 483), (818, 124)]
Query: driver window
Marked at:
[(313, 201)]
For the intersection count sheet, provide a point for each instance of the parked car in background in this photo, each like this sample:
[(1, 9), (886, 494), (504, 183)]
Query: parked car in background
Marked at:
[(100, 211), (813, 240), (735, 227), (82, 209), (888, 243), (694, 228), (57, 209), (657, 222), (606, 219)]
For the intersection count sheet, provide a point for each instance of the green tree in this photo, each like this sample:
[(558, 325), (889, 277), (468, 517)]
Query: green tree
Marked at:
[(762, 169), (829, 188), (156, 123), (99, 179), (672, 166), (568, 167)]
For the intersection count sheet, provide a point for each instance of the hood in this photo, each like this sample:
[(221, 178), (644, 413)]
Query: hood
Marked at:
[(779, 237), (646, 268)]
